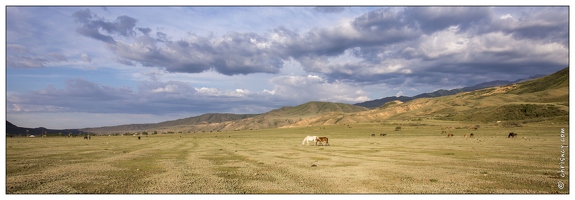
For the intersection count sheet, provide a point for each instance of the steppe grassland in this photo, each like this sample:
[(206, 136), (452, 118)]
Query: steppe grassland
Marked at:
[(417, 159)]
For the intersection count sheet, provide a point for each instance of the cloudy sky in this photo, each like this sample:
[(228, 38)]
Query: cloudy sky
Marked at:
[(77, 67)]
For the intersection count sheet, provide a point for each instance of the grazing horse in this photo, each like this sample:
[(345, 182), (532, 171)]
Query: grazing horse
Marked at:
[(383, 134), (450, 135), (512, 135), (321, 140), (309, 139), (85, 137), (372, 135), (471, 135)]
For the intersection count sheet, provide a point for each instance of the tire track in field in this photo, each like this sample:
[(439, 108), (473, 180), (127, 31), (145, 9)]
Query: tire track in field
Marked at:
[(254, 175), (187, 172)]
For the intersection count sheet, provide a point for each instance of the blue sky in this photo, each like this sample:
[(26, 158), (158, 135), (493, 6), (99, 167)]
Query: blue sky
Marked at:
[(77, 67)]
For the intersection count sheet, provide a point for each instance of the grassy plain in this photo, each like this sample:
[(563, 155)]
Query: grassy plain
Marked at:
[(418, 159)]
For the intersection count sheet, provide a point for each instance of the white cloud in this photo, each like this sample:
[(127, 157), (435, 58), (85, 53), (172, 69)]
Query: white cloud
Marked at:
[(168, 88), (302, 89), (507, 16)]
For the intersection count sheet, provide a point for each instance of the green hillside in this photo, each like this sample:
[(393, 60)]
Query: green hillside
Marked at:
[(556, 80), (510, 112)]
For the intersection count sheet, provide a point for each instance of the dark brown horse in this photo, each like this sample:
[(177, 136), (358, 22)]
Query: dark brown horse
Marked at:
[(512, 135)]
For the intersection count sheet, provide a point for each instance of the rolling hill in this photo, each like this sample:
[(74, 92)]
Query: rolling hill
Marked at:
[(227, 122), (14, 130), (540, 99), (202, 120)]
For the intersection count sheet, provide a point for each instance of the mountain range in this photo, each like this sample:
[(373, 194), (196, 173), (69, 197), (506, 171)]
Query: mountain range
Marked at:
[(532, 99), (379, 102)]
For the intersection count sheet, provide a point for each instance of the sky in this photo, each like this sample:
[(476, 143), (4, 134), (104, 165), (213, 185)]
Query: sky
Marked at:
[(78, 67)]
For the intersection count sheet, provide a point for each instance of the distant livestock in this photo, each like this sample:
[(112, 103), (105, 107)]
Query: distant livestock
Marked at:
[(512, 135), (383, 134), (372, 135), (471, 135), (321, 140), (450, 135), (309, 139)]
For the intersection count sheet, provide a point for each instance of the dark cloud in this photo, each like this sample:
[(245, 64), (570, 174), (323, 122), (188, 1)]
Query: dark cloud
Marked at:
[(94, 33), (145, 31), (383, 43), (329, 9), (234, 53), (83, 16), (547, 24), (124, 25), (244, 53), (433, 19), (162, 37), (91, 25)]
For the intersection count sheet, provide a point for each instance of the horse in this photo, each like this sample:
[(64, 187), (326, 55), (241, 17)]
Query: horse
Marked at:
[(321, 140), (309, 139), (450, 135), (372, 135), (383, 134), (512, 135), (471, 135)]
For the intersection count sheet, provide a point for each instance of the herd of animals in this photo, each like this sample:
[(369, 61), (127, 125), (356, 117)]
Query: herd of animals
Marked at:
[(320, 140)]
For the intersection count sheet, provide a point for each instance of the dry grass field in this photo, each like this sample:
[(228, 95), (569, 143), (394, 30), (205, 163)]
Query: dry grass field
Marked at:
[(416, 160)]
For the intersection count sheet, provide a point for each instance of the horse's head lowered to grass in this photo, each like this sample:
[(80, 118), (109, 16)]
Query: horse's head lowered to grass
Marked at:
[(309, 139)]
